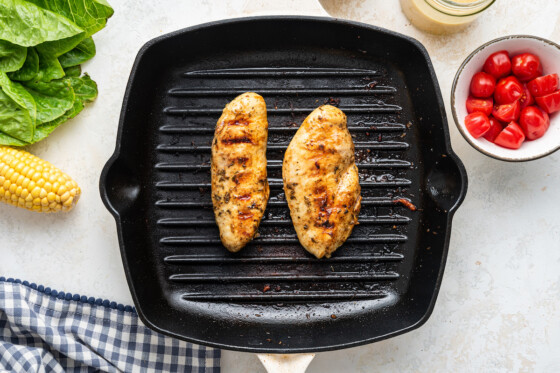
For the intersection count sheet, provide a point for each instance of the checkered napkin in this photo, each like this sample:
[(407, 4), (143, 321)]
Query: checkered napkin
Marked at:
[(42, 330)]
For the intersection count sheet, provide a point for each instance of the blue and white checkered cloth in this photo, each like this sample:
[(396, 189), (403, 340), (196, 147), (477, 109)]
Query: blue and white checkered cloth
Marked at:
[(42, 330)]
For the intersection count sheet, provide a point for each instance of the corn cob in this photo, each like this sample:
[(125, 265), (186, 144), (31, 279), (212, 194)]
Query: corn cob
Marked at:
[(32, 183)]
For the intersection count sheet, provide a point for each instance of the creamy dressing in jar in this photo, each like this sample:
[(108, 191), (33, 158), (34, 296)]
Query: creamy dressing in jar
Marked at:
[(443, 16)]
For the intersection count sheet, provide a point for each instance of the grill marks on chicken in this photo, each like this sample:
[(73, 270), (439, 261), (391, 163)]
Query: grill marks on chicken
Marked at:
[(321, 181), (240, 188)]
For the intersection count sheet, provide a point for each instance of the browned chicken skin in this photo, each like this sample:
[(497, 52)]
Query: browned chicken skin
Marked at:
[(321, 181), (239, 185)]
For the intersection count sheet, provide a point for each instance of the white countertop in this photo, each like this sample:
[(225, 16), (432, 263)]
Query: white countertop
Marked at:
[(499, 304)]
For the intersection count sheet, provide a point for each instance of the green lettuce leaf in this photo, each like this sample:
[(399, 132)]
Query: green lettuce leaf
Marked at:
[(90, 15), (84, 88), (46, 129), (53, 99), (80, 54), (73, 71), (26, 24), (59, 47), (19, 95), (29, 69), (16, 126), (9, 140), (49, 68), (12, 57)]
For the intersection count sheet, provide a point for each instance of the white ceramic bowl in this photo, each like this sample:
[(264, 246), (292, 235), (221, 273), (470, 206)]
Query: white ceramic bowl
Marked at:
[(549, 54)]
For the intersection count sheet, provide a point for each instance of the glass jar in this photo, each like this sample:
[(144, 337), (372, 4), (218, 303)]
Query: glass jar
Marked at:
[(443, 16)]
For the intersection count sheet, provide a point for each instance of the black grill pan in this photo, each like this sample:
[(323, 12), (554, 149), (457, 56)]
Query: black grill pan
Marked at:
[(273, 296)]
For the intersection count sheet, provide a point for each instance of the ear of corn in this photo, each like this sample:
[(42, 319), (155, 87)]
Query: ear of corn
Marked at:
[(32, 183)]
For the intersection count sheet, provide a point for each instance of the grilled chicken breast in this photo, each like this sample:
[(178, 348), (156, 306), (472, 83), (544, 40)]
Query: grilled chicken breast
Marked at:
[(321, 181), (239, 185)]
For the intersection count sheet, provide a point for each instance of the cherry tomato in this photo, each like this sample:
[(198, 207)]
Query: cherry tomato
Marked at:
[(549, 103), (482, 85), (526, 66), (477, 123), (511, 137), (483, 105), (498, 64), (534, 122), (495, 128), (543, 85), (508, 90), (507, 113), (527, 98)]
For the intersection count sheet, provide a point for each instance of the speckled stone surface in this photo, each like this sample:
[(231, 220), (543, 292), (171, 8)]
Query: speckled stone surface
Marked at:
[(498, 308)]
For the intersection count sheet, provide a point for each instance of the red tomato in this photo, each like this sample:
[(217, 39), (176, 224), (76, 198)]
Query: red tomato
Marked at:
[(498, 64), (534, 122), (482, 85), (511, 137), (483, 105), (526, 66), (508, 90), (543, 85), (506, 113), (527, 98), (549, 103), (495, 128), (477, 123)]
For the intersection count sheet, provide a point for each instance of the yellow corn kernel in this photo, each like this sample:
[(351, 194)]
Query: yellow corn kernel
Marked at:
[(35, 192), (65, 197), (19, 167), (32, 183)]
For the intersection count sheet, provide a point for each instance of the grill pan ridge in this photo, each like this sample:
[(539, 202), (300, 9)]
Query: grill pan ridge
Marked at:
[(273, 296)]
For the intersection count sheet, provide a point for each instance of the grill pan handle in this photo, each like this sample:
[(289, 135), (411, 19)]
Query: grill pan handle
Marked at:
[(292, 363)]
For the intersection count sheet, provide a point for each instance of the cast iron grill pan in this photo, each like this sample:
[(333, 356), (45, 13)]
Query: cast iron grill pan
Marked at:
[(273, 296)]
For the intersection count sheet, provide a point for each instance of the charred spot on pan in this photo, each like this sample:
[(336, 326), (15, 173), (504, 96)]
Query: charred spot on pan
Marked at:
[(226, 197), (332, 101), (242, 160), (317, 165), (237, 140)]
